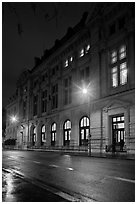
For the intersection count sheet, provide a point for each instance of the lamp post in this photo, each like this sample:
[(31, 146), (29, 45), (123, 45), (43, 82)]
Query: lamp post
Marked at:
[(14, 120), (85, 92)]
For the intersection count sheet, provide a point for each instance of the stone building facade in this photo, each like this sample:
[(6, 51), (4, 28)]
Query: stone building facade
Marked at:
[(97, 55)]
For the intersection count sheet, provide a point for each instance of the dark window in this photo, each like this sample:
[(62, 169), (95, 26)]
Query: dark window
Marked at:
[(24, 109), (87, 72), (44, 101), (55, 96), (121, 22), (35, 104), (67, 91), (112, 29)]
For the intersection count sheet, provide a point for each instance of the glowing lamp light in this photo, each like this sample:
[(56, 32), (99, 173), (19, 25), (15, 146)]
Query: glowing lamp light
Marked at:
[(14, 119), (84, 91)]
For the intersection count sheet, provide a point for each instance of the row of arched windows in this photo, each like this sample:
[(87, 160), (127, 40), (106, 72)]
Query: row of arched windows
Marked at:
[(84, 128)]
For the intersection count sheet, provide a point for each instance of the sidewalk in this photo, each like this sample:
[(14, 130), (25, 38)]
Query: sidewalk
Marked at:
[(116, 155)]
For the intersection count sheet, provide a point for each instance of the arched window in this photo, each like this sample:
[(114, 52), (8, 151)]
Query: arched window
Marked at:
[(84, 130), (53, 134), (43, 134), (34, 139), (67, 132)]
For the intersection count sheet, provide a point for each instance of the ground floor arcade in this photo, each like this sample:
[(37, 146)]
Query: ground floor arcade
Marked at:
[(111, 124)]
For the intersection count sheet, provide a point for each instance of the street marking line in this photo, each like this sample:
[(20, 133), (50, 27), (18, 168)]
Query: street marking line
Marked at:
[(71, 169), (122, 179), (36, 162), (53, 165), (54, 190)]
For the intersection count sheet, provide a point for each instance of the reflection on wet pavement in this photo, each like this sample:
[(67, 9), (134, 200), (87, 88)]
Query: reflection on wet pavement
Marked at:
[(15, 189)]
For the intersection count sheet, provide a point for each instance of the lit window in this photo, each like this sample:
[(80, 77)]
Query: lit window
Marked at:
[(87, 48), (114, 77), (53, 134), (113, 57), (66, 63), (67, 132), (82, 52), (122, 52), (123, 73), (71, 59), (84, 131)]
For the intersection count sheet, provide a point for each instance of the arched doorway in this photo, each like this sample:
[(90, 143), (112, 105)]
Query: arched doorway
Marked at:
[(67, 132), (84, 129)]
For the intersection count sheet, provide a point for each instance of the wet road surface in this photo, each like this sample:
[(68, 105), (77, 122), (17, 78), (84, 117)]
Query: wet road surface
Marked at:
[(16, 189), (81, 178)]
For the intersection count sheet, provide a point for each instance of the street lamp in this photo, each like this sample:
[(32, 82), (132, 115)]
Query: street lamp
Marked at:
[(14, 119), (85, 92)]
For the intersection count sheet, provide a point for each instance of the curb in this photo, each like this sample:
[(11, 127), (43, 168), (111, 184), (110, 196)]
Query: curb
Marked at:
[(85, 154)]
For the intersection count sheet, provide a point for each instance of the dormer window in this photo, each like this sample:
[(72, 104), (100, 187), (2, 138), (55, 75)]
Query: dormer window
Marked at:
[(87, 48), (82, 52), (66, 63), (71, 59)]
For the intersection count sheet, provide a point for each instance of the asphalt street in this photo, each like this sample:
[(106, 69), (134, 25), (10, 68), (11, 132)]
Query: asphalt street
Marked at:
[(68, 178)]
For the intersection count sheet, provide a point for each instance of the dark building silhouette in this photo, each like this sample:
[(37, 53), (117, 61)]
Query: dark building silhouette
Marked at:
[(84, 84)]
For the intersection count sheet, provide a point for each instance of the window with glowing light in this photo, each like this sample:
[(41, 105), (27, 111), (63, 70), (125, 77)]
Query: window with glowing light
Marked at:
[(84, 128), (34, 138), (43, 134), (53, 134), (81, 52), (67, 132), (118, 64)]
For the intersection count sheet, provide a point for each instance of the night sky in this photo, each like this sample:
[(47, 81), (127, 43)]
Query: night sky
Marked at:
[(28, 29)]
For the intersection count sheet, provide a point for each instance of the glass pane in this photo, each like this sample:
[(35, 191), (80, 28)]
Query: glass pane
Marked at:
[(52, 136), (34, 131), (122, 52), (81, 124), (123, 73), (113, 57), (120, 125), (43, 128), (118, 118), (55, 136), (122, 136), (85, 121), (114, 79), (87, 133), (82, 134), (114, 119), (69, 134), (118, 136), (65, 135), (122, 118)]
